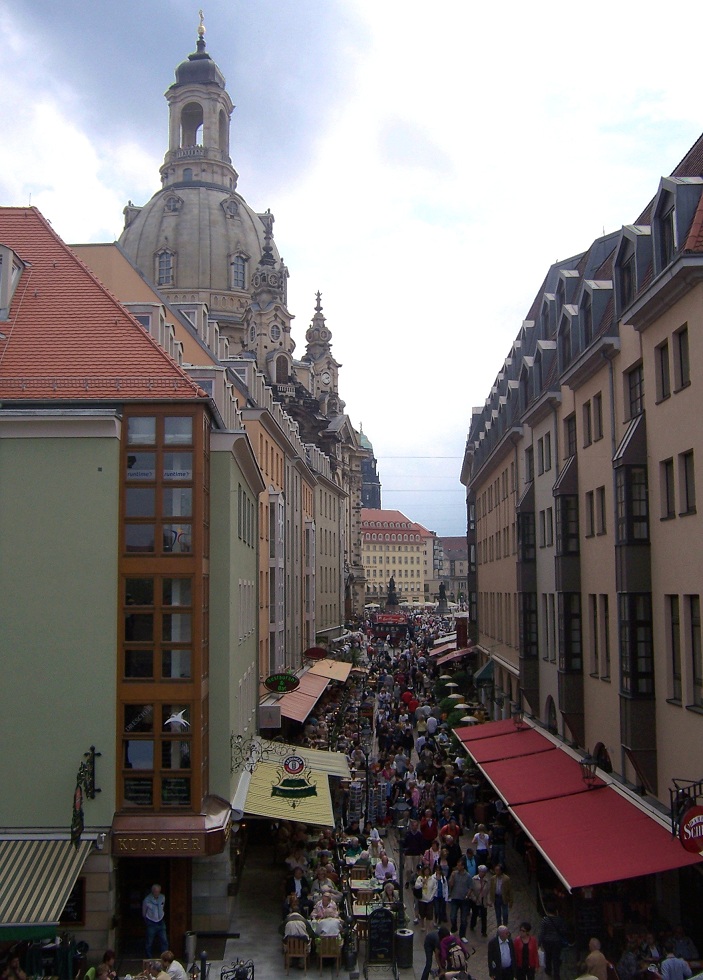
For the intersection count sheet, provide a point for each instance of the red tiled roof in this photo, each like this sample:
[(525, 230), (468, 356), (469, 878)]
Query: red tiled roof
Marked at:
[(694, 241), (68, 337), (370, 516)]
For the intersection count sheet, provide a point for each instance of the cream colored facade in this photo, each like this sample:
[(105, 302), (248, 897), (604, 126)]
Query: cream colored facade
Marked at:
[(583, 471), (394, 546)]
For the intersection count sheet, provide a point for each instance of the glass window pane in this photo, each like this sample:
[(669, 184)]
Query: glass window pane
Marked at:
[(141, 466), (178, 466), (177, 592), (175, 755), (175, 791), (178, 431), (177, 627), (139, 627), (139, 663), (140, 502), (138, 717), (139, 538), (175, 664), (138, 792), (138, 753), (178, 502), (177, 538), (139, 591), (175, 718), (141, 431)]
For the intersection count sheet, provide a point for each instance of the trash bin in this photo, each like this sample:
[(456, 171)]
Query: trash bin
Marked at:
[(404, 949), (190, 941)]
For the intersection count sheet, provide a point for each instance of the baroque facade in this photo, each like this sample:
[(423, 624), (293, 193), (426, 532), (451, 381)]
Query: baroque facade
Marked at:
[(214, 259)]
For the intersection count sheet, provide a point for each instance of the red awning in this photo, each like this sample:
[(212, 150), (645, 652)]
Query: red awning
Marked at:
[(298, 704), (443, 648), (588, 836), (448, 657)]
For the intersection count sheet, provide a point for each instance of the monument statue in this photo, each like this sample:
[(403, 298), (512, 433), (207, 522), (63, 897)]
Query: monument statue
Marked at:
[(443, 607), (392, 599)]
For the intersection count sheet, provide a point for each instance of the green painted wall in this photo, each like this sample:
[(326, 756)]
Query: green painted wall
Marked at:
[(58, 625), (230, 560)]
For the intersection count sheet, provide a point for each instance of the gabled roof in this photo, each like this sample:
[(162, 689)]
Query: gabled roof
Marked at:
[(67, 337)]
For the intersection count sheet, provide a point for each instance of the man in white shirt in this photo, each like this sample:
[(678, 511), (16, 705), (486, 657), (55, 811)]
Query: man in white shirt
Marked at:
[(170, 964)]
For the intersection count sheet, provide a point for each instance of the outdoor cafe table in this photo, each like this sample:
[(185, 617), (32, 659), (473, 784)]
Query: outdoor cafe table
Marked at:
[(367, 885)]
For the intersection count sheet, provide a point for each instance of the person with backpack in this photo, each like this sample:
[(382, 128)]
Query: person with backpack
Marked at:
[(454, 956)]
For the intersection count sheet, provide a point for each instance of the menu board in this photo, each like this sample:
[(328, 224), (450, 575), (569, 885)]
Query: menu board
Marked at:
[(380, 941)]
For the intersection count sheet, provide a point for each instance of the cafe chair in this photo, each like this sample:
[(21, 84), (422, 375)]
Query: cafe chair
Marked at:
[(297, 948), (364, 896), (359, 874), (330, 949)]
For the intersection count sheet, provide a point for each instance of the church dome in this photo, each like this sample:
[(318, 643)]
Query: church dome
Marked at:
[(197, 238)]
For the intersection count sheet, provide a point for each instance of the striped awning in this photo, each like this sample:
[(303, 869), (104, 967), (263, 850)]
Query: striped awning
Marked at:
[(36, 879), (275, 792), (335, 670), (298, 704)]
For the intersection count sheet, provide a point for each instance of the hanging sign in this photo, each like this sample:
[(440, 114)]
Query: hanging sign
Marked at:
[(281, 683), (315, 653), (691, 829)]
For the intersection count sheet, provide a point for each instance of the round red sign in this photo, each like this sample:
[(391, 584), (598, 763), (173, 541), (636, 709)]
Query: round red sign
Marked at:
[(691, 829), (315, 653)]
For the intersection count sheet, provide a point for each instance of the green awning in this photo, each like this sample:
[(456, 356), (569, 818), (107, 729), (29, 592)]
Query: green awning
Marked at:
[(36, 879), (485, 674)]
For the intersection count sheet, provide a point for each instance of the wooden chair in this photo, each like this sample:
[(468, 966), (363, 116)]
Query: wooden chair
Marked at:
[(297, 948), (330, 949), (363, 896), (358, 874)]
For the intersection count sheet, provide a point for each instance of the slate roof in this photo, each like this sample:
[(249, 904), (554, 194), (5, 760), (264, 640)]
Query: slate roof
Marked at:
[(67, 337)]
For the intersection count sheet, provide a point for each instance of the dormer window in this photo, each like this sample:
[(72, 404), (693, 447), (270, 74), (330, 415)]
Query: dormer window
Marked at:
[(586, 312), (667, 233), (628, 280), (565, 345), (10, 271)]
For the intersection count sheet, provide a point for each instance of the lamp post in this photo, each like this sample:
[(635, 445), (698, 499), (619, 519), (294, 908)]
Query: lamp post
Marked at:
[(588, 770)]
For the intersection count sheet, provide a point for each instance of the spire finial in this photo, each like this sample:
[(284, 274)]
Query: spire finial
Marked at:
[(318, 304), (201, 25)]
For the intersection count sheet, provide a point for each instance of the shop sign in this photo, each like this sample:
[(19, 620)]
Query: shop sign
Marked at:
[(391, 618), (691, 829), (281, 683), (143, 844), (315, 653)]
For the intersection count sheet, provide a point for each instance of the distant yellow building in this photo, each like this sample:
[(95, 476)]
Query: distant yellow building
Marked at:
[(393, 545)]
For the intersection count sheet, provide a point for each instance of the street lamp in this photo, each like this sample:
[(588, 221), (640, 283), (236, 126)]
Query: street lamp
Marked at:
[(518, 717), (588, 770)]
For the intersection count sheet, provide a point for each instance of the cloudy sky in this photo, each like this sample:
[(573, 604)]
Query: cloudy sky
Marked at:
[(426, 163)]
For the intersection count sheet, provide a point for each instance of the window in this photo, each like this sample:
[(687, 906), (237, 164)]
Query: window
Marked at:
[(526, 535), (587, 427), (529, 465), (570, 435), (605, 621), (540, 457), (547, 451), (238, 266), (687, 484), (164, 268), (667, 239), (682, 369), (590, 514), (628, 280), (663, 380), (597, 417), (600, 510), (565, 346), (635, 391), (666, 489), (636, 651), (567, 514), (673, 622), (593, 626), (569, 604), (632, 505), (542, 529), (547, 527), (694, 625), (586, 316)]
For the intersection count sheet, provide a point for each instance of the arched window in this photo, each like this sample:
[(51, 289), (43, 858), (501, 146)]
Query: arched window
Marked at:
[(281, 370), (188, 174), (238, 266), (191, 124), (164, 268), (222, 132)]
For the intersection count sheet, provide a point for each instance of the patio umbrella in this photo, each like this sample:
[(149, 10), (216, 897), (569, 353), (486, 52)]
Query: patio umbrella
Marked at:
[(452, 684), (470, 720), (462, 705), (452, 696), (445, 677)]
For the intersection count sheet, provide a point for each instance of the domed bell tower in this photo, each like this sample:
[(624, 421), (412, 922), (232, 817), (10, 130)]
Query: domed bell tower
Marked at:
[(200, 111)]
